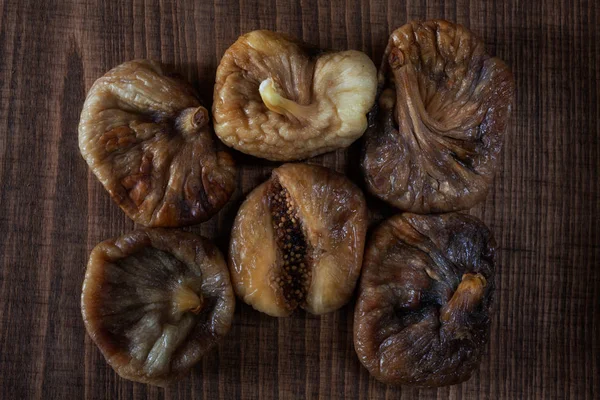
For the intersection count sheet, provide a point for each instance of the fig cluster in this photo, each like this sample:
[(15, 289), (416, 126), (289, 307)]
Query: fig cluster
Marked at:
[(156, 300)]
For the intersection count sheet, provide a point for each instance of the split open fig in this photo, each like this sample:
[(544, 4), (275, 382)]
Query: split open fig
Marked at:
[(297, 241)]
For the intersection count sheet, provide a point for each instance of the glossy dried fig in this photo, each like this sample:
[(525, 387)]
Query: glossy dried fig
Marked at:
[(298, 240), (437, 131), (423, 312), (279, 99), (146, 137), (154, 301)]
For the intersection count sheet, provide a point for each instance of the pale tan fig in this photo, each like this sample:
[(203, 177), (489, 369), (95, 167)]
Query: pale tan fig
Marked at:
[(279, 99)]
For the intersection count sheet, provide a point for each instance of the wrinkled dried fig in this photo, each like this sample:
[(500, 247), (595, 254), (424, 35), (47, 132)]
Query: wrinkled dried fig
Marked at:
[(423, 312), (437, 131), (279, 99), (154, 301), (146, 137), (298, 240)]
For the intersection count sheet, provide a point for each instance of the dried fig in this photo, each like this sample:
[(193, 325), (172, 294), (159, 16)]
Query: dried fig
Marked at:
[(423, 312), (154, 301), (437, 131), (298, 240), (279, 99), (146, 137)]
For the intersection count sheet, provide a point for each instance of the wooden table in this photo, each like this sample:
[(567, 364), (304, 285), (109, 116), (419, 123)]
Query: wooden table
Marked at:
[(543, 208)]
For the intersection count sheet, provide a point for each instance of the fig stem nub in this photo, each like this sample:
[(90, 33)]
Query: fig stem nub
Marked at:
[(279, 104), (192, 119), (467, 296), (186, 299)]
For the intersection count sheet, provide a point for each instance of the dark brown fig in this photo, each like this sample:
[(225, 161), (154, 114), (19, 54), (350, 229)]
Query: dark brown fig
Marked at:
[(436, 133), (147, 138), (154, 301), (298, 241), (422, 317)]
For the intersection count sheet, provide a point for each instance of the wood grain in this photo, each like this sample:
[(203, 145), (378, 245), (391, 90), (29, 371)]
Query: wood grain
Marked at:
[(543, 208)]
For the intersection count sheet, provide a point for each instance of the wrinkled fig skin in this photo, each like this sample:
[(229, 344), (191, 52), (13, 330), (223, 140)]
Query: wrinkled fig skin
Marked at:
[(279, 99), (147, 138), (154, 301), (423, 312), (298, 241), (437, 130)]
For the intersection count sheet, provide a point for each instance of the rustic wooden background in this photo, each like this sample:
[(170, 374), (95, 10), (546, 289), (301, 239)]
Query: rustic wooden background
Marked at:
[(543, 209)]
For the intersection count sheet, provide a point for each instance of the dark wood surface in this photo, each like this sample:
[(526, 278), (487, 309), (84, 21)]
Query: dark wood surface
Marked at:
[(543, 208)]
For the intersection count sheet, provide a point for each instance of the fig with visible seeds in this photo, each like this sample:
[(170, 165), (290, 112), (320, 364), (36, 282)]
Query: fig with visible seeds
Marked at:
[(279, 99), (298, 240), (422, 317), (154, 301), (436, 132), (147, 138)]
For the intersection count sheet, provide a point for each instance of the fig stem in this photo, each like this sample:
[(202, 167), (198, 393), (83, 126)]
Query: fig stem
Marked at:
[(186, 299), (192, 119), (467, 296), (279, 104)]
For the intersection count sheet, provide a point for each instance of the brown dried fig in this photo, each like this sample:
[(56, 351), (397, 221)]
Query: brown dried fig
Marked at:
[(146, 137), (279, 99), (423, 312), (154, 301), (298, 240), (437, 131)]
